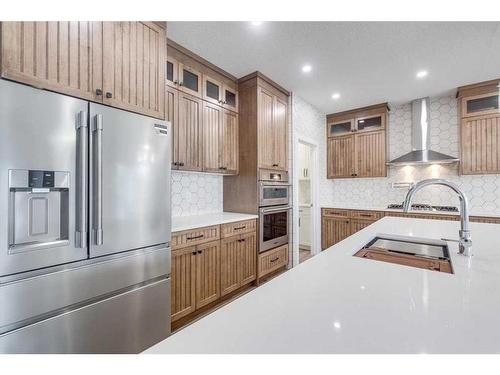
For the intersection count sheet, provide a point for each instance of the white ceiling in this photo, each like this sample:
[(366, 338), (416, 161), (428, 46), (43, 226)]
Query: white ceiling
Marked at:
[(366, 62)]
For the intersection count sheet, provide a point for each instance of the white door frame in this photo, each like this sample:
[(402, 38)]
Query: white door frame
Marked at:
[(315, 209)]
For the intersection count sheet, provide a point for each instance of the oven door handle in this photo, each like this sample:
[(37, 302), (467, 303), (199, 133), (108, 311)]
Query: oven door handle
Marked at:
[(277, 209)]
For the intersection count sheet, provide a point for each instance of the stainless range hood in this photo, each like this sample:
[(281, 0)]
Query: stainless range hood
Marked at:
[(420, 134)]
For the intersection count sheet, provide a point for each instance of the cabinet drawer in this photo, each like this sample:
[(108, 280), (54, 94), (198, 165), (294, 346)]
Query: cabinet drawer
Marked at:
[(333, 212), (195, 236), (239, 227), (371, 215), (272, 260)]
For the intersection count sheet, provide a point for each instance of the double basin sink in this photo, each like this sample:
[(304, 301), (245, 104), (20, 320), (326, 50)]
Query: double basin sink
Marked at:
[(408, 251)]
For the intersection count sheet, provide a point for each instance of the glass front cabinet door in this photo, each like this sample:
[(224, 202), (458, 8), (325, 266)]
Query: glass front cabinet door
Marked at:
[(369, 123), (230, 98), (480, 105), (190, 80), (343, 127), (172, 75), (212, 90)]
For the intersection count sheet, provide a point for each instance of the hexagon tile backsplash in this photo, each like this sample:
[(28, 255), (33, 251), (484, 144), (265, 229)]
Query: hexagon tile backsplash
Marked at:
[(483, 191), (195, 193)]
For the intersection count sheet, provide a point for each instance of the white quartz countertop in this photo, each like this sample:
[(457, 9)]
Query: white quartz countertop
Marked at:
[(205, 220), (385, 209), (337, 303)]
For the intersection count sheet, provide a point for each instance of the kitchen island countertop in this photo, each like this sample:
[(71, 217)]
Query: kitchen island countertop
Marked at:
[(337, 303)]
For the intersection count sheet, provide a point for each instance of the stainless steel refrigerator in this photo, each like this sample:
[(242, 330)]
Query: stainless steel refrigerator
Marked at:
[(84, 225)]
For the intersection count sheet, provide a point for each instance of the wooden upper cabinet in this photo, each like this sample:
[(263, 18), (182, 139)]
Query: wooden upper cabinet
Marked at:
[(370, 154), (172, 72), (188, 133), (65, 57), (280, 133), (212, 124), (229, 142), (480, 145), (230, 98), (212, 90), (172, 115), (356, 144), (272, 131), (340, 161), (134, 67), (207, 262), (266, 131), (190, 80), (480, 128)]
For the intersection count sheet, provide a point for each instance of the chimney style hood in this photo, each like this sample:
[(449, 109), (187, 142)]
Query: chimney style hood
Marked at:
[(420, 139)]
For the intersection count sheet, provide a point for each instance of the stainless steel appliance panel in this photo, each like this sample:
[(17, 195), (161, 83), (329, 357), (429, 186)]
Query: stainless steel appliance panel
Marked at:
[(128, 322), (38, 131), (129, 181), (27, 300), (272, 194), (274, 227)]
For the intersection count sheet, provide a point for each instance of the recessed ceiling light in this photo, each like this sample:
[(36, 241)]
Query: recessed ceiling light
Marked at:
[(306, 68), (335, 96), (256, 23), (422, 74)]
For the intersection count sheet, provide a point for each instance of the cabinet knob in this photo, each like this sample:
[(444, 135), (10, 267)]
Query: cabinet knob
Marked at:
[(109, 95), (181, 83), (194, 253), (275, 165), (98, 92), (199, 251), (176, 82), (181, 164)]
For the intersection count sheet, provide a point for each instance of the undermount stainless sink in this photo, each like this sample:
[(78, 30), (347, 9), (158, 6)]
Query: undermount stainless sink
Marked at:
[(410, 251)]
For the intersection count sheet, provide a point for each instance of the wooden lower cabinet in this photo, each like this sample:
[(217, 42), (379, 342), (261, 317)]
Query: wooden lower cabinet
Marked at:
[(206, 268), (183, 274), (358, 224), (273, 260), (333, 230), (207, 263), (238, 262), (338, 224)]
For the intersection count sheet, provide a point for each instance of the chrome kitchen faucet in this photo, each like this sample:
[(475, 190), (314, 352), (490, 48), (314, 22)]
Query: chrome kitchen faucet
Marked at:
[(465, 242)]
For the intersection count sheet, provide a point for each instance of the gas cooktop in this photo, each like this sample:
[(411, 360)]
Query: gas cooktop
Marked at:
[(424, 207)]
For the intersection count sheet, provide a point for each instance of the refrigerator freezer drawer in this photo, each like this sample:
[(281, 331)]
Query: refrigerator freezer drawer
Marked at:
[(32, 299), (126, 323)]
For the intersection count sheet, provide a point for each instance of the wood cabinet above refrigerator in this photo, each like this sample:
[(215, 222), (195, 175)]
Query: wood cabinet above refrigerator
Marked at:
[(121, 64)]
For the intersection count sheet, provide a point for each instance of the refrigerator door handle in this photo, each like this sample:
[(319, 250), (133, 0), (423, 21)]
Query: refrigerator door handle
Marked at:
[(81, 180), (97, 178)]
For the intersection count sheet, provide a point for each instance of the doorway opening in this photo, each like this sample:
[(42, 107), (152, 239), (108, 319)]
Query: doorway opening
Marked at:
[(305, 177)]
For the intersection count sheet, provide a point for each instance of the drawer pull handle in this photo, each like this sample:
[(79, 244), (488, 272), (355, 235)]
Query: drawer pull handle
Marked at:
[(239, 228), (365, 215), (195, 237), (274, 260)]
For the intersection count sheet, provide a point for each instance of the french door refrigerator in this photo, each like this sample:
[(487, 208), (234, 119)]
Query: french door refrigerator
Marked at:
[(84, 225)]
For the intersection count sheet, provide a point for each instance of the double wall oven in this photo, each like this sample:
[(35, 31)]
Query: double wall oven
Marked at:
[(274, 209)]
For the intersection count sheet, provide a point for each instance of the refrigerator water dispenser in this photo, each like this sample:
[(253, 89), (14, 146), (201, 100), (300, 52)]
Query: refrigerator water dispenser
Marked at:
[(38, 209)]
